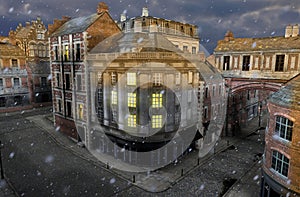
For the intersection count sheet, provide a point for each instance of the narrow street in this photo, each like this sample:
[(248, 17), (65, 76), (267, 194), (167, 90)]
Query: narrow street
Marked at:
[(38, 160)]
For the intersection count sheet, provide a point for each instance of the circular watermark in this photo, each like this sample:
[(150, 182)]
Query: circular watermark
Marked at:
[(146, 102)]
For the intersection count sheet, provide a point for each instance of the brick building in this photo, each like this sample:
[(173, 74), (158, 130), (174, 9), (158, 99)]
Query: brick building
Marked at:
[(281, 167), (70, 42), (253, 69), (32, 39)]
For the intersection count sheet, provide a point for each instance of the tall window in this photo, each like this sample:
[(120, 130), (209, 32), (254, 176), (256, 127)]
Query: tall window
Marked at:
[(43, 81), (131, 79), (157, 79), (113, 78), (177, 78), (66, 52), (280, 163), (279, 63), (77, 53), (57, 79), (31, 49), (185, 48), (206, 92), (78, 82), (68, 82), (131, 99), (114, 97), (194, 50), (56, 52), (157, 100), (226, 63), (1, 83), (156, 121), (69, 109), (80, 111), (14, 63), (16, 82), (59, 105), (246, 63), (131, 120), (284, 128)]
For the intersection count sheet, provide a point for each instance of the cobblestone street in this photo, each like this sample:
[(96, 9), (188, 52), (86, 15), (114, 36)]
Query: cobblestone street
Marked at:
[(39, 161)]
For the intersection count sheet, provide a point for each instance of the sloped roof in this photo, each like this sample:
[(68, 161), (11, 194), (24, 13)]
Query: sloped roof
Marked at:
[(137, 41), (76, 25), (258, 44), (288, 96), (23, 33)]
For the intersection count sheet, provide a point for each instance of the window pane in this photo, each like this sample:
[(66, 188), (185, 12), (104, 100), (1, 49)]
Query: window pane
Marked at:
[(131, 79)]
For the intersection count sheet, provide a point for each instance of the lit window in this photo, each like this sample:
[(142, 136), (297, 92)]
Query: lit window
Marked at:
[(131, 99), (80, 111), (66, 52), (131, 120), (190, 79), (157, 79), (131, 79), (284, 128), (280, 163), (156, 121), (156, 100), (114, 97)]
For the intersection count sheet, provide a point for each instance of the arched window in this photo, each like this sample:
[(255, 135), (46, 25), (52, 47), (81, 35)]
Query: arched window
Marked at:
[(280, 163), (284, 128)]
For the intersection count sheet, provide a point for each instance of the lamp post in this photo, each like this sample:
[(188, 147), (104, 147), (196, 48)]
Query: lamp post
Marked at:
[(259, 113), (1, 165)]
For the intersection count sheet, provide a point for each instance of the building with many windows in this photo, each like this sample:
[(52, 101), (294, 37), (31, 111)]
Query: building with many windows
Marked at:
[(70, 42), (281, 168), (14, 91), (253, 69), (32, 39)]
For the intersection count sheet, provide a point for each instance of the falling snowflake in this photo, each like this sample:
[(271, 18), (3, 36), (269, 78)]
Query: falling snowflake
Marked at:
[(11, 10), (57, 128), (112, 181), (11, 155), (49, 77), (202, 187), (255, 178), (77, 10), (49, 159), (254, 45)]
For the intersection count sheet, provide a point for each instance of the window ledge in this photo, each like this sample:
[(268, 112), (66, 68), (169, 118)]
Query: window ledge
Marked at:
[(282, 140), (278, 174)]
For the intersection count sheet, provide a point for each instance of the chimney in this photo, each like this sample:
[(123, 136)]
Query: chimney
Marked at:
[(228, 36), (295, 30), (102, 7), (288, 31), (145, 12), (123, 17)]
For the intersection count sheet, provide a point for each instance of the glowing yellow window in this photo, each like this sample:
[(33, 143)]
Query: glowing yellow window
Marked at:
[(114, 97), (132, 120), (66, 53), (131, 79), (80, 111), (131, 99), (156, 100), (156, 121)]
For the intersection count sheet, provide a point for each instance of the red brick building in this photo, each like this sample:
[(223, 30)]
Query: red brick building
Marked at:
[(253, 69), (70, 41), (281, 164)]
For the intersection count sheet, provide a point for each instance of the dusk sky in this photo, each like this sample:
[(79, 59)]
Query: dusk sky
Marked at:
[(246, 18)]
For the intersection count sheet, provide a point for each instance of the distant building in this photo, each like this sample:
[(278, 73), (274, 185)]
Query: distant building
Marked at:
[(253, 69), (281, 169), (32, 39), (14, 91), (70, 42)]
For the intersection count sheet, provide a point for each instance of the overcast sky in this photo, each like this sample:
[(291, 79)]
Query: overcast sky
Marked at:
[(246, 18)]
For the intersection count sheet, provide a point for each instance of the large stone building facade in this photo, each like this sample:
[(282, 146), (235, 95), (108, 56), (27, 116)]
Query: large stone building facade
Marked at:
[(253, 69), (281, 168)]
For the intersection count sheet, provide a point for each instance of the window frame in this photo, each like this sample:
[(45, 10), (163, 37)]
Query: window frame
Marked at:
[(284, 128), (280, 163)]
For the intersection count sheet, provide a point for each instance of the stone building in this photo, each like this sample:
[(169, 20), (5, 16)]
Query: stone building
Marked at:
[(32, 39), (281, 167), (14, 91), (253, 69), (70, 42)]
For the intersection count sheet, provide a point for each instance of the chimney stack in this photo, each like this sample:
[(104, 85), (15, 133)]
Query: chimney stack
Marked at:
[(145, 12), (295, 30), (102, 7), (288, 31)]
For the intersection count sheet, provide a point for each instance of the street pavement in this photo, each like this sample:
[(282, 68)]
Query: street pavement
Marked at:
[(40, 161)]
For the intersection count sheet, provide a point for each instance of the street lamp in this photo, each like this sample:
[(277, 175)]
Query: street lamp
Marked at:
[(1, 165)]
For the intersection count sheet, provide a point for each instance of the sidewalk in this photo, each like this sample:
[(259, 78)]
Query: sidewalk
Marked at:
[(159, 180)]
